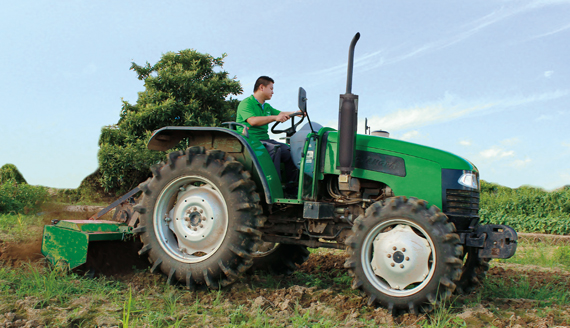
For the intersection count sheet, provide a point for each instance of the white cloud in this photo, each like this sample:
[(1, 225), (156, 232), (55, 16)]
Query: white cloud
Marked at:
[(510, 141), (410, 135), (452, 107), (466, 143), (520, 163), (544, 118), (387, 56), (496, 152), (420, 116), (560, 29), (523, 100), (553, 116)]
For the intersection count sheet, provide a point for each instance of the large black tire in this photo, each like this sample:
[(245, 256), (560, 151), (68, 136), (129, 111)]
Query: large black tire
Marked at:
[(280, 259), (473, 272), (404, 256), (199, 220)]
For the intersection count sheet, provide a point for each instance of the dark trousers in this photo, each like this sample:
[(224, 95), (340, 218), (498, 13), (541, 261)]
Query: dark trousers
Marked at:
[(281, 153)]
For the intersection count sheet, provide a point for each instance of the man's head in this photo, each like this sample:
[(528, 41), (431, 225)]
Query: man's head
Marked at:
[(263, 88)]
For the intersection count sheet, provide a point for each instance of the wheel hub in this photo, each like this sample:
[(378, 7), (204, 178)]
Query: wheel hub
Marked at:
[(401, 257), (193, 218), (398, 257)]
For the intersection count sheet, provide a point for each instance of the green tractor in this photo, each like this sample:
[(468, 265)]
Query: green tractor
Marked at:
[(407, 214)]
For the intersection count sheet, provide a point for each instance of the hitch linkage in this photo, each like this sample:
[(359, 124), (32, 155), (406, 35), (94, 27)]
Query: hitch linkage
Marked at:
[(495, 241)]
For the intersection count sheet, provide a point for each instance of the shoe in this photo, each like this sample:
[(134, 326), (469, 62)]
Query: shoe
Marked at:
[(290, 189)]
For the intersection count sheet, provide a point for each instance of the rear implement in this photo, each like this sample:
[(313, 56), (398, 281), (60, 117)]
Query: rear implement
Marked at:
[(67, 241)]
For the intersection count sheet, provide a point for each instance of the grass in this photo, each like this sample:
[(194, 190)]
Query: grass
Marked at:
[(64, 299), (541, 254), (51, 286), (545, 288), (444, 315), (20, 228), (547, 294), (60, 299)]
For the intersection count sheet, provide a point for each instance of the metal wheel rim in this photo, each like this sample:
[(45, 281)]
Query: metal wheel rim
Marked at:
[(169, 216), (367, 254)]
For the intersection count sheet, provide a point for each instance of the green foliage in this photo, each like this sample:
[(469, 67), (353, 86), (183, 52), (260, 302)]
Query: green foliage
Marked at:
[(16, 195), (89, 192), (21, 197), (9, 172), (526, 209), (182, 89)]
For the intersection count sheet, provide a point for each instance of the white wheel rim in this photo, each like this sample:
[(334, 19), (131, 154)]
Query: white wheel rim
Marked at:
[(398, 257), (190, 219)]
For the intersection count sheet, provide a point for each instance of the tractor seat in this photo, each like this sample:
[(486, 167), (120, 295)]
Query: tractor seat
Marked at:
[(297, 141)]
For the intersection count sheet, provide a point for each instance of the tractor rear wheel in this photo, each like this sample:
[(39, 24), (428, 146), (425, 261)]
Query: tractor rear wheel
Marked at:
[(199, 219), (404, 255)]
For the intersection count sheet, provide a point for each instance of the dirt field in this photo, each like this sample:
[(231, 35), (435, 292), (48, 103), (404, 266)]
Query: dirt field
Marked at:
[(317, 294), (321, 286)]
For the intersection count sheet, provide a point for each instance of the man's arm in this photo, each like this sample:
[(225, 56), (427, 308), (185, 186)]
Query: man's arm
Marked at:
[(262, 120)]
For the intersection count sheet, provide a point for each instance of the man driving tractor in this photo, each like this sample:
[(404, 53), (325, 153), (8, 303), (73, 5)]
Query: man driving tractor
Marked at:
[(256, 114)]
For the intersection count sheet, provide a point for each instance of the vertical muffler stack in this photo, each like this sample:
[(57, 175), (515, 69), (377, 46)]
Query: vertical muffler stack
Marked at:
[(347, 124)]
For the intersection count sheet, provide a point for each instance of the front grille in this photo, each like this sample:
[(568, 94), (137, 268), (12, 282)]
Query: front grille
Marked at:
[(461, 207)]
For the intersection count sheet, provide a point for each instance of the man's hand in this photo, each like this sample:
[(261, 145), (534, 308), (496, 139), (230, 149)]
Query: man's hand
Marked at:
[(282, 117), (262, 120)]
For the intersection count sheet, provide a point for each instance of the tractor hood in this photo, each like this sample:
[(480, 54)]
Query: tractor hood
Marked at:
[(445, 159)]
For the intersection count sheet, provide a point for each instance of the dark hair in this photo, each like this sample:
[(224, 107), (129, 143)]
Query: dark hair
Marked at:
[(265, 80)]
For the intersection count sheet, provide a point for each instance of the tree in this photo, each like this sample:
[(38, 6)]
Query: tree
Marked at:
[(10, 173), (182, 89)]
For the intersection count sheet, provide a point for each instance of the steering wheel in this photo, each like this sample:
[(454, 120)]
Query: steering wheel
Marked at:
[(289, 131)]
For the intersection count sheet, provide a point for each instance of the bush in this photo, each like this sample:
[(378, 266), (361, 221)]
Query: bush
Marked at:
[(526, 209), (88, 192), (21, 197)]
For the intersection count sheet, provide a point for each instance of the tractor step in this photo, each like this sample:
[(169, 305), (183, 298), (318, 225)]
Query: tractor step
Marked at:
[(66, 242)]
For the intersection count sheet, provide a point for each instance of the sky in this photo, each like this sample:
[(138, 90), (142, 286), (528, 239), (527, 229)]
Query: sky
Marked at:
[(486, 80)]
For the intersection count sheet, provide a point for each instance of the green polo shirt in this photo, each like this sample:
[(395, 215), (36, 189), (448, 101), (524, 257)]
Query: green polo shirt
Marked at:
[(250, 107)]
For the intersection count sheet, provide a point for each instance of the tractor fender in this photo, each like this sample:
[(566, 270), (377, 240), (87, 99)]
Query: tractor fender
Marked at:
[(226, 140)]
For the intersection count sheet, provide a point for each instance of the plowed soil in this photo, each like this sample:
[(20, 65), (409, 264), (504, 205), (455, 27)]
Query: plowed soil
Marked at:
[(329, 294), (321, 285)]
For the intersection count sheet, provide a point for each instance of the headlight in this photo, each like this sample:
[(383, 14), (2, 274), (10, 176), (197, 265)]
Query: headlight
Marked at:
[(469, 179)]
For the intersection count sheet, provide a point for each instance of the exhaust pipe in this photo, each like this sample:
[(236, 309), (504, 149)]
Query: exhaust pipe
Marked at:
[(347, 121)]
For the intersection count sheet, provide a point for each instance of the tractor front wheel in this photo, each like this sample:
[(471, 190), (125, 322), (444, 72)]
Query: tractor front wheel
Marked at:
[(404, 255)]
